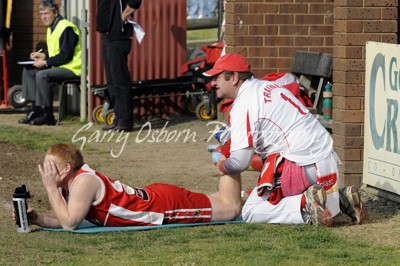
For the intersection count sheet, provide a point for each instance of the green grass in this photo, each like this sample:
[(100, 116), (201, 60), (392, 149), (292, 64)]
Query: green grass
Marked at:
[(205, 34), (31, 140), (243, 244), (211, 245)]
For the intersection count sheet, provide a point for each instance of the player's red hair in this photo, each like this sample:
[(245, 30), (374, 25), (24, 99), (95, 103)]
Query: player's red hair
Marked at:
[(67, 153)]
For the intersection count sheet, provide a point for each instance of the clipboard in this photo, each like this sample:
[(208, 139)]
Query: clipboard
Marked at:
[(30, 62)]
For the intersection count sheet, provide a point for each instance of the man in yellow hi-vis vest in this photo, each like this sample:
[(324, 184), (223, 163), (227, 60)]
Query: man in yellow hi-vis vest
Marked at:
[(60, 62)]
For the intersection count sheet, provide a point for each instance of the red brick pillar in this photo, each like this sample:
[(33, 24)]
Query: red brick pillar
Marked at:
[(269, 33), (355, 23)]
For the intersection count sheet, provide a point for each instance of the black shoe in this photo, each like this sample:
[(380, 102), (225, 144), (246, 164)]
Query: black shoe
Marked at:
[(122, 128), (109, 127), (29, 117), (45, 119)]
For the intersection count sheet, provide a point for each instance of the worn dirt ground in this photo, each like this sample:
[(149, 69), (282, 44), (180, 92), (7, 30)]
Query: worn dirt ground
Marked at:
[(150, 156)]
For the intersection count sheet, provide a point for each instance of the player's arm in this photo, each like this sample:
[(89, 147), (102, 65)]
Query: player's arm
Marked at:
[(84, 192), (81, 195), (43, 220)]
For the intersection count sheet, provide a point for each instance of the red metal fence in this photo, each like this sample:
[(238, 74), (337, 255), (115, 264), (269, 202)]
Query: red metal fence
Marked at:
[(161, 53)]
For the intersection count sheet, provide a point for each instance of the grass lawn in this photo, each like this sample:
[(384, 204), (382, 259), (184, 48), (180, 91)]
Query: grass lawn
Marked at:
[(234, 244), (209, 245), (206, 34)]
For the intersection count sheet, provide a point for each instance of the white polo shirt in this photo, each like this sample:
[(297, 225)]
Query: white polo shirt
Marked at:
[(269, 118)]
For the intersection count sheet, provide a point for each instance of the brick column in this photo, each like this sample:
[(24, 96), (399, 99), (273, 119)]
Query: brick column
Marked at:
[(355, 23), (268, 32)]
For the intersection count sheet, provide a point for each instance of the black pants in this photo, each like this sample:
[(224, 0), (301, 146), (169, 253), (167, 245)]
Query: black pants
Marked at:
[(115, 57)]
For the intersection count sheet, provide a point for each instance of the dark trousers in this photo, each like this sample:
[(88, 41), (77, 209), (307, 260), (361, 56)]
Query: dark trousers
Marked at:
[(36, 83), (115, 57)]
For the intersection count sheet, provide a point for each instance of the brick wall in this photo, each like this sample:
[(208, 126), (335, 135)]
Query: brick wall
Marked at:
[(356, 22), (29, 34), (268, 32)]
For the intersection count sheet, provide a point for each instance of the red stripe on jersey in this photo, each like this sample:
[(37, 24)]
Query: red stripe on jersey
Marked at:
[(249, 135), (284, 97)]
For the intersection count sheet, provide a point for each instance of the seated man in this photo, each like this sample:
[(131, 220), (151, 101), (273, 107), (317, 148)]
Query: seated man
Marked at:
[(61, 61), (77, 192)]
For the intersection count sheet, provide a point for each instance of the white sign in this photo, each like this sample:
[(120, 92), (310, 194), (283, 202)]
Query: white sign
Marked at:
[(382, 118)]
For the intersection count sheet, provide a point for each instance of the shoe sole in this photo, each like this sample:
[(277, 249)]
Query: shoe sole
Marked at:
[(354, 198), (44, 124), (324, 216), (47, 123)]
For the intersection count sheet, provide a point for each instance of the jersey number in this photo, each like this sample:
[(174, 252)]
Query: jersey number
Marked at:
[(142, 193), (284, 97), (139, 192)]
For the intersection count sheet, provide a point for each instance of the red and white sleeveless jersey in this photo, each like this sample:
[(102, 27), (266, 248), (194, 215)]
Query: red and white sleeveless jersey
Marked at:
[(121, 205), (269, 118)]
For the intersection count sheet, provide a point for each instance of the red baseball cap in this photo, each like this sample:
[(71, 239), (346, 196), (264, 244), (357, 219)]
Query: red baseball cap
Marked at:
[(229, 62)]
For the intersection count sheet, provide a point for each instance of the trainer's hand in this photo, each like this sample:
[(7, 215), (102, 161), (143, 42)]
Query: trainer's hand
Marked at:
[(221, 160)]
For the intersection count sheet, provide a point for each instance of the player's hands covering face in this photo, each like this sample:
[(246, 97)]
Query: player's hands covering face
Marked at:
[(49, 173)]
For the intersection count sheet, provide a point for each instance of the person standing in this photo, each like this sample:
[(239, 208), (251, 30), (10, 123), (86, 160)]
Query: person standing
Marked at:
[(61, 61), (112, 23), (207, 8), (192, 9)]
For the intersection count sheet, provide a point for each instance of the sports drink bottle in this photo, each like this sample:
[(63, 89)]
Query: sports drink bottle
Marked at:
[(20, 198)]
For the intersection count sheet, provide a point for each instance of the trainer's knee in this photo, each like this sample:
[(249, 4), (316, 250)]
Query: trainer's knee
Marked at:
[(246, 213)]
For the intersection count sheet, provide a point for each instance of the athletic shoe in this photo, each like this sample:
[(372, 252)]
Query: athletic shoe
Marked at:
[(351, 204), (316, 212)]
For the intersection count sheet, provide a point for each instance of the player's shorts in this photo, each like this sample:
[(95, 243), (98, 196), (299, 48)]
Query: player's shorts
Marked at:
[(182, 205)]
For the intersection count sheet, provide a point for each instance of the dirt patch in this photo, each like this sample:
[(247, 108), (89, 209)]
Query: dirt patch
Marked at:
[(184, 162)]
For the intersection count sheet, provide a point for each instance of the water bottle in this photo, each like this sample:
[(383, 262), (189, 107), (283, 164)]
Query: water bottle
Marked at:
[(327, 103), (20, 198)]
